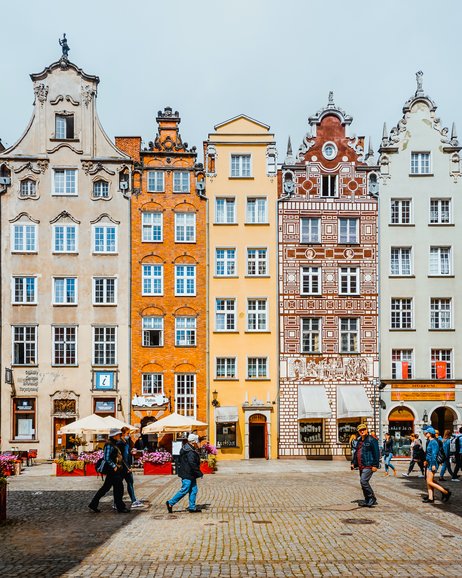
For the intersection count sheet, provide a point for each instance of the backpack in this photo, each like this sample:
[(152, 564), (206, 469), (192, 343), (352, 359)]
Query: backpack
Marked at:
[(419, 453), (440, 456), (453, 445)]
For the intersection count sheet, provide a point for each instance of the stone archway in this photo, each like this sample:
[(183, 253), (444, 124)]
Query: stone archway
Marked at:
[(443, 418)]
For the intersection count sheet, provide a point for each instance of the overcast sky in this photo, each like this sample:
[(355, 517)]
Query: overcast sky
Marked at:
[(274, 60)]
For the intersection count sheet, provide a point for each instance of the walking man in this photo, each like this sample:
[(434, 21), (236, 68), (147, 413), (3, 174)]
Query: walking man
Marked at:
[(366, 458), (112, 468), (188, 470), (126, 447)]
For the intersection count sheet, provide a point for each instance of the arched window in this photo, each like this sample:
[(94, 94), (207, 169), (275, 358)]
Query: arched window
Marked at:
[(101, 189), (27, 188)]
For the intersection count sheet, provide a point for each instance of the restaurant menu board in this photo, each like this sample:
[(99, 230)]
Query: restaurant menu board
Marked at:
[(346, 429), (311, 432)]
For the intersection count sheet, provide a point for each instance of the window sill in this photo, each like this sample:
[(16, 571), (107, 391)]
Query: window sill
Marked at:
[(225, 379), (401, 276), (257, 379), (311, 294), (225, 332), (24, 252), (401, 224), (342, 295), (399, 329), (421, 174), (105, 254), (24, 365), (257, 276), (226, 224), (226, 276), (242, 178), (64, 139), (104, 304), (257, 224), (152, 294), (24, 304), (311, 243), (64, 365), (22, 441), (258, 332), (311, 352), (64, 194), (441, 224), (65, 304), (155, 192), (441, 329), (152, 346), (184, 242), (349, 243), (181, 192), (185, 295), (104, 366), (349, 353), (64, 253), (441, 276), (152, 241), (187, 346)]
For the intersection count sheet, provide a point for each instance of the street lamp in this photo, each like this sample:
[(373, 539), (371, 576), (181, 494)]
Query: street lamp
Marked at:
[(215, 401)]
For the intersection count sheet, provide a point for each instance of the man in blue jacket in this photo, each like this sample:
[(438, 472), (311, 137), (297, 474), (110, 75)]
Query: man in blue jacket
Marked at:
[(189, 471), (366, 458)]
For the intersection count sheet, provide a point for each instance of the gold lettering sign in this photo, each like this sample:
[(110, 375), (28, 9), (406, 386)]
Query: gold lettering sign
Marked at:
[(423, 395), (437, 385)]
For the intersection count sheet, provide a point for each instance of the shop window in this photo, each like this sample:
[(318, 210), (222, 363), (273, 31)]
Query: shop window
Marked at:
[(226, 435), (24, 419), (400, 427), (346, 429), (311, 432)]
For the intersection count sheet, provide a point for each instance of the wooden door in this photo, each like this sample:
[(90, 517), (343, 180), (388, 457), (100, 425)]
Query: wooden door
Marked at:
[(60, 440)]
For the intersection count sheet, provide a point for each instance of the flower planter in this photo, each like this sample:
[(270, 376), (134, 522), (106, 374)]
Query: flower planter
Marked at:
[(206, 469), (90, 469), (151, 469), (2, 500), (75, 472)]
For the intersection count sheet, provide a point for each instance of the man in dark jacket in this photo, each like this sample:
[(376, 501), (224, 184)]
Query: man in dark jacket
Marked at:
[(189, 470), (366, 458)]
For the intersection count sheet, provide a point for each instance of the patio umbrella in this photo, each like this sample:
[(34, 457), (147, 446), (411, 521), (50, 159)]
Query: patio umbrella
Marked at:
[(91, 423), (173, 423), (113, 422)]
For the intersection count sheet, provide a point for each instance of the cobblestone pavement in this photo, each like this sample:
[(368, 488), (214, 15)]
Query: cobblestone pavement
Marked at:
[(275, 524)]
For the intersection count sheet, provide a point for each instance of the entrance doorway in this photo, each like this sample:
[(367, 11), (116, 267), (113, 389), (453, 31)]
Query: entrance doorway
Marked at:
[(61, 441), (150, 441), (257, 436), (443, 418), (400, 426)]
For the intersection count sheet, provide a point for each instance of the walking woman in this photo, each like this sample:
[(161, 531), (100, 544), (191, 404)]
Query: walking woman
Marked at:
[(447, 452), (388, 454), (432, 467)]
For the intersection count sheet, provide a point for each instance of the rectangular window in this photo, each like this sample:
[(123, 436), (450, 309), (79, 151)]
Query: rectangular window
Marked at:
[(152, 227), (185, 279), (349, 335), (64, 345), (440, 314), (401, 313), (225, 368), (400, 261), (420, 163), (152, 280), (349, 281), (25, 345), (257, 368), (310, 230), (225, 262), (311, 431), (225, 210), (104, 291), (402, 364), (400, 212), (256, 210), (329, 186), (24, 290), (440, 211), (24, 418), (440, 261), (225, 315), (153, 331), (441, 364), (241, 166), (65, 239), (64, 126), (348, 231), (64, 291), (104, 346), (24, 238), (311, 335), (185, 227), (104, 239), (257, 262), (65, 182), (185, 394), (156, 182), (185, 331), (152, 384), (257, 315), (181, 182), (310, 280)]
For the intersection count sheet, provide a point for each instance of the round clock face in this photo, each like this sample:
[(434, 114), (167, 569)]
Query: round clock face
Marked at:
[(329, 150)]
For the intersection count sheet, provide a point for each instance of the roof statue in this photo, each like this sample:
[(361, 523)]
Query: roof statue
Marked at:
[(64, 46), (419, 80)]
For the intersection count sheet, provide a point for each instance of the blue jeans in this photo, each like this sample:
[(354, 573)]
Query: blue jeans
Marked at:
[(446, 466), (128, 477), (386, 460), (187, 487)]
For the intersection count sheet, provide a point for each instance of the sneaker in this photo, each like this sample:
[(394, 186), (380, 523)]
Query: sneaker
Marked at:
[(445, 497), (137, 504), (421, 476), (114, 507), (455, 480), (427, 501), (169, 507), (195, 511), (371, 503), (405, 475), (94, 508)]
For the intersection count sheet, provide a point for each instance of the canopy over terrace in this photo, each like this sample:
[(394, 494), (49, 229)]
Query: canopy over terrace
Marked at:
[(95, 424), (173, 423)]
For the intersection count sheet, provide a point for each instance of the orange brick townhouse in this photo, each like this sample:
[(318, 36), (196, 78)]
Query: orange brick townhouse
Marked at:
[(168, 301)]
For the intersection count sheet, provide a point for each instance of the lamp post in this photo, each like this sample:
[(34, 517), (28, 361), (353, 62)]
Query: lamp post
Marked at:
[(215, 401)]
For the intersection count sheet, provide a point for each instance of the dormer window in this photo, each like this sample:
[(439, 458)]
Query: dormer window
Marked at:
[(101, 189), (64, 126), (27, 188)]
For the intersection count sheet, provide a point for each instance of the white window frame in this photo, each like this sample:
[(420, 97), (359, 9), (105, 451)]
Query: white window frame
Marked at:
[(65, 173), (350, 236), (28, 188), (435, 216), (253, 214), (66, 343), (228, 313), (152, 279), (351, 277), (419, 162), (158, 181), (400, 256), (189, 399), (23, 290), (24, 227), (228, 261), (105, 280), (66, 281), (25, 341), (402, 313), (149, 226), (308, 232), (349, 332), (106, 358), (311, 333), (229, 365), (257, 314), (152, 323), (105, 228), (180, 183), (240, 166), (186, 335), (261, 362), (312, 274), (99, 184), (441, 354), (185, 227), (402, 211), (438, 250), (231, 201), (331, 191), (66, 227), (183, 279), (151, 391), (254, 261), (441, 313), (406, 355)]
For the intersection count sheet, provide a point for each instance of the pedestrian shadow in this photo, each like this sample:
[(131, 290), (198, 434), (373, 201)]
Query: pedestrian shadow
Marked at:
[(48, 533), (455, 503)]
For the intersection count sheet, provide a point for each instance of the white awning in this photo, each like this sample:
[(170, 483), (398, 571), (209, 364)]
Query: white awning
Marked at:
[(352, 401), (313, 402), (226, 414)]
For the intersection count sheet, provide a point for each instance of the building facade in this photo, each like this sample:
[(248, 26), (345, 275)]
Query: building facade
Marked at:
[(327, 225), (240, 163), (65, 267), (420, 266), (168, 276)]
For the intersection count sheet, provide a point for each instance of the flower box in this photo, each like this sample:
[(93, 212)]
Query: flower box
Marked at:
[(75, 472), (151, 469), (90, 469), (206, 469)]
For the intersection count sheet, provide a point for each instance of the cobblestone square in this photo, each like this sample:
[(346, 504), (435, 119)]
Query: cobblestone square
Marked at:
[(259, 520)]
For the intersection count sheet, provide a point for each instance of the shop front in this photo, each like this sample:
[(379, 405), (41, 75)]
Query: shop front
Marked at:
[(400, 427)]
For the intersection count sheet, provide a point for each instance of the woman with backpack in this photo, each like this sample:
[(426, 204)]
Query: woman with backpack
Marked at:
[(388, 454), (447, 452), (417, 456), (431, 461)]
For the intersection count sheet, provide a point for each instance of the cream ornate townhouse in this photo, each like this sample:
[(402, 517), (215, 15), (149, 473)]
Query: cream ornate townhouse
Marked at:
[(65, 254), (420, 272)]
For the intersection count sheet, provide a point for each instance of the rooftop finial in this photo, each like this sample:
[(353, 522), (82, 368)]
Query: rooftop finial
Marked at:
[(330, 101), (289, 147), (419, 80), (64, 46), (453, 132), (289, 155)]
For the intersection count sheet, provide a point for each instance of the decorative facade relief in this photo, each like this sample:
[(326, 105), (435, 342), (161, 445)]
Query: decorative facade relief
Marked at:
[(41, 92)]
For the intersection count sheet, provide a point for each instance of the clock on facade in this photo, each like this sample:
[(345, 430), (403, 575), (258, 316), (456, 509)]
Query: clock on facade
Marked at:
[(329, 150)]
